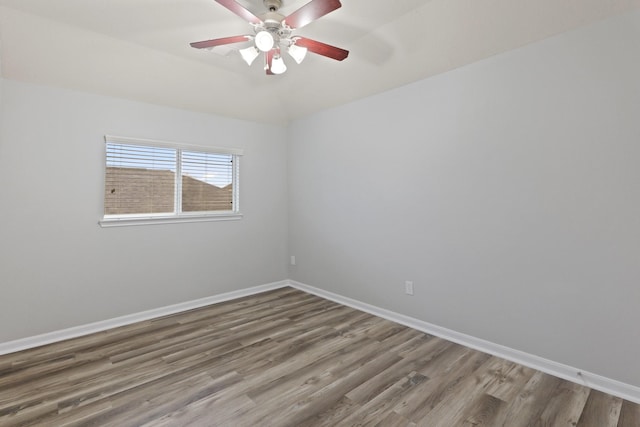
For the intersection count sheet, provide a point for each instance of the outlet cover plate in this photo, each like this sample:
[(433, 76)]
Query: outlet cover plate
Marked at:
[(408, 287)]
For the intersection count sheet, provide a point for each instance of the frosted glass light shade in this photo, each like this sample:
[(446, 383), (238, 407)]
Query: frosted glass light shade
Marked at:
[(249, 54), (264, 41), (278, 66), (297, 53)]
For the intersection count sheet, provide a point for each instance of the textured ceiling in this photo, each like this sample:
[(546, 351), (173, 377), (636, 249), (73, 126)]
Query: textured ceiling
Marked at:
[(139, 49)]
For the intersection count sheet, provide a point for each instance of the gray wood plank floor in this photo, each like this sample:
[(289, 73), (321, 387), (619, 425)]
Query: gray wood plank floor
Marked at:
[(285, 358)]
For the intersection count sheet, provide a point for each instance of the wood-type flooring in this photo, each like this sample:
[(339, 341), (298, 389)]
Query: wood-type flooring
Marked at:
[(286, 358)]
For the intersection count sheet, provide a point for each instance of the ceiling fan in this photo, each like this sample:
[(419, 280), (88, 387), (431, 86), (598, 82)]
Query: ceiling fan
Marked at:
[(274, 34)]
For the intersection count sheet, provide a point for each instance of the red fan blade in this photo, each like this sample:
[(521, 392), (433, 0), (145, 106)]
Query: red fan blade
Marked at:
[(311, 11), (322, 48), (218, 42), (239, 10), (268, 59)]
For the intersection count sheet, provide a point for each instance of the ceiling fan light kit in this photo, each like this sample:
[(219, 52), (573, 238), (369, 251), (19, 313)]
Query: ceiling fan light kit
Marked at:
[(249, 54), (264, 41), (273, 32), (278, 66), (297, 53)]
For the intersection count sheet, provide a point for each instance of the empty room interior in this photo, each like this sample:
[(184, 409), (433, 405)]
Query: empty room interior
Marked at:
[(339, 213)]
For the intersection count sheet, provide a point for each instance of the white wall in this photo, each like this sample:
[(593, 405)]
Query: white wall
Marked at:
[(60, 269), (507, 190)]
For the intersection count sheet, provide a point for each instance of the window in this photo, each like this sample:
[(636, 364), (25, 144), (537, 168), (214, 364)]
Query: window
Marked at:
[(142, 184)]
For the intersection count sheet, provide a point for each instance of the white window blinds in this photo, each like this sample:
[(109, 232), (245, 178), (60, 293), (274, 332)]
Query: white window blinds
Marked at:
[(207, 181), (141, 179)]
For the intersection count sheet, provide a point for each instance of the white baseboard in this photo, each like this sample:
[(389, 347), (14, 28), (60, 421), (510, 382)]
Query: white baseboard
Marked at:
[(598, 382), (78, 331)]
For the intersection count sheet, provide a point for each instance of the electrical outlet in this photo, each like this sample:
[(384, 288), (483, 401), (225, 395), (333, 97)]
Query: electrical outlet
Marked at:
[(408, 287), (293, 260)]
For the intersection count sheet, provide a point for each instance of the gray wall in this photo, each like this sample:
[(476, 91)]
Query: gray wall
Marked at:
[(507, 190), (59, 269)]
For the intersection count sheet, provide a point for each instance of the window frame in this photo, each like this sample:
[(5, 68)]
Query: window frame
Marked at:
[(177, 216)]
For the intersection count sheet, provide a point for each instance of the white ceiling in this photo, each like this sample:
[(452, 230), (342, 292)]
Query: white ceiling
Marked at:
[(139, 49)]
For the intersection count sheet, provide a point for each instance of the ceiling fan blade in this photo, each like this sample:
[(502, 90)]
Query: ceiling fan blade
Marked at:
[(268, 60), (310, 12), (240, 10), (218, 42), (322, 48)]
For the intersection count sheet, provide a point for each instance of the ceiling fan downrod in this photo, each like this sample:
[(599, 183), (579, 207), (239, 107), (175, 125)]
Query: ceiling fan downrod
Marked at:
[(272, 5)]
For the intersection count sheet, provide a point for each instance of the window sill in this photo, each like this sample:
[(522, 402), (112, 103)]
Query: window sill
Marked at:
[(126, 222)]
